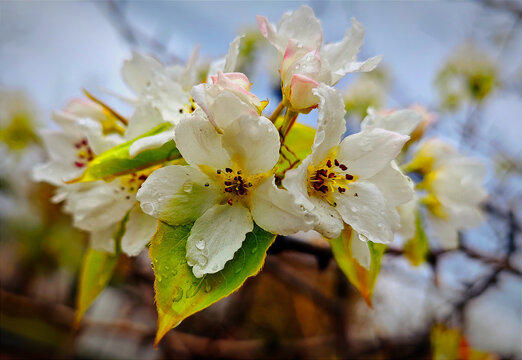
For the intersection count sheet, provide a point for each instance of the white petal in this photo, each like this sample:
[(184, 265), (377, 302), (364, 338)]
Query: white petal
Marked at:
[(56, 172), (445, 231), (216, 236), (139, 70), (277, 210), (177, 194), (395, 186), (253, 142), (301, 26), (370, 151), (104, 239), (97, 205), (296, 182), (330, 123), (329, 222), (138, 231), (168, 96), (145, 118), (360, 250), (188, 76), (368, 213), (400, 121), (150, 142), (227, 63), (98, 142), (342, 55), (199, 143), (407, 212)]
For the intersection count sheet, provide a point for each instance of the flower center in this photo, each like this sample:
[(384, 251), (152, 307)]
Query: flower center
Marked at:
[(84, 153), (329, 177), (236, 184)]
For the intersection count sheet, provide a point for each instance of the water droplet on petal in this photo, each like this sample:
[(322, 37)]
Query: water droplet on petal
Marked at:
[(148, 208), (208, 286), (187, 187), (193, 290), (200, 244)]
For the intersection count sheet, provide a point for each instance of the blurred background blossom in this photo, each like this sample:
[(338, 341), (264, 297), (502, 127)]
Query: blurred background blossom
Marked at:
[(458, 61)]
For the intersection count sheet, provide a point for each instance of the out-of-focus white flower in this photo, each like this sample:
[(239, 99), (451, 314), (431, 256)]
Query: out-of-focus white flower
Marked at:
[(453, 189), (352, 181), (364, 93), (306, 62), (228, 184), (17, 120), (97, 207)]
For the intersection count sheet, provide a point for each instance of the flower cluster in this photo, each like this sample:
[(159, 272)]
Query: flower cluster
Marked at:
[(203, 155)]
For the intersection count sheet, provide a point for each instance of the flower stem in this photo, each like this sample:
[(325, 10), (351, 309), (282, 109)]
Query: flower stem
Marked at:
[(277, 112)]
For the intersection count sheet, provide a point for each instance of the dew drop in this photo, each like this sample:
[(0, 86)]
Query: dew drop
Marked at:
[(187, 187), (174, 272), (193, 290), (208, 286), (200, 244), (178, 294), (148, 208)]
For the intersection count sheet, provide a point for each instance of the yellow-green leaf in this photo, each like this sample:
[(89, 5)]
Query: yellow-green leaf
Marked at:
[(96, 272), (416, 249), (362, 279), (297, 146), (179, 293), (116, 161)]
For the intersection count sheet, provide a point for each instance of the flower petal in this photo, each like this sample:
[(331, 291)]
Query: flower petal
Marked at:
[(216, 236), (342, 55), (445, 231), (296, 182), (368, 212), (360, 250), (104, 239), (395, 186), (277, 210), (97, 205), (253, 142), (301, 26), (138, 231), (400, 121), (177, 194), (330, 123), (370, 151), (139, 70), (167, 96), (301, 94), (329, 222), (145, 118), (227, 63), (199, 143)]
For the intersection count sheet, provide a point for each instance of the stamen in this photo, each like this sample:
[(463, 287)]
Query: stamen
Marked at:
[(349, 177), (228, 170), (336, 162), (341, 189), (230, 202), (343, 167), (331, 175), (329, 163)]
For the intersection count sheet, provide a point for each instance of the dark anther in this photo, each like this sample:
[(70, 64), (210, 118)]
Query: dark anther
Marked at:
[(127, 197), (78, 164), (228, 189), (322, 172), (143, 177), (207, 184), (228, 183), (341, 189), (329, 163), (239, 172), (356, 195), (324, 189), (343, 167), (249, 184), (181, 111), (229, 201), (336, 162), (349, 177), (228, 170), (331, 175), (219, 171), (131, 189)]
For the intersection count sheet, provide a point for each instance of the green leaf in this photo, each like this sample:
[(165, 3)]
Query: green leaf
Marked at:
[(296, 147), (116, 161), (97, 269), (362, 279), (416, 249), (179, 293)]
